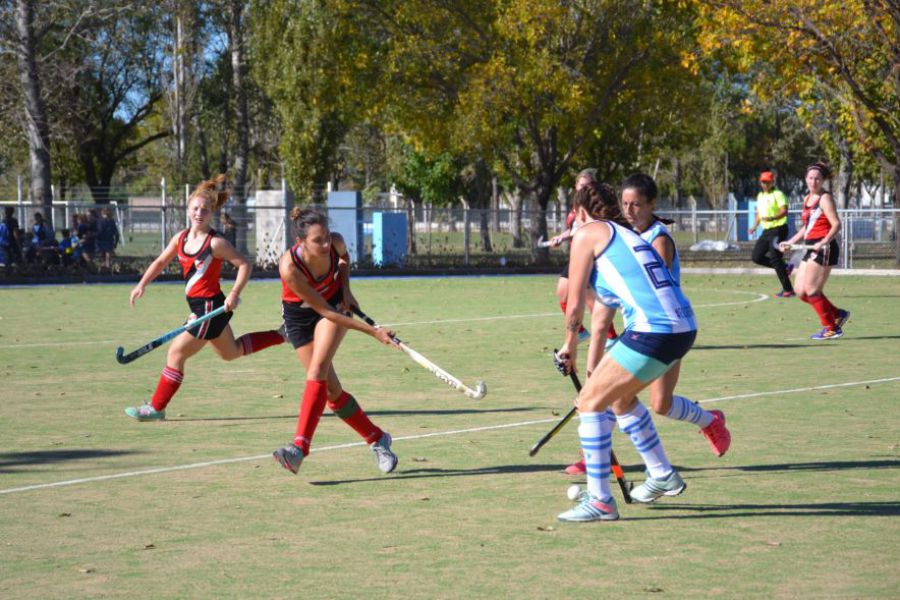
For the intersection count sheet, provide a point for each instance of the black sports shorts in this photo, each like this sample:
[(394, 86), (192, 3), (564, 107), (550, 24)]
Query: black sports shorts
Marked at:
[(300, 320), (208, 330)]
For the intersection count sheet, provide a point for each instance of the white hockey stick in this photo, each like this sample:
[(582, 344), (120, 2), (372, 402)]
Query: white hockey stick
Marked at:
[(480, 388)]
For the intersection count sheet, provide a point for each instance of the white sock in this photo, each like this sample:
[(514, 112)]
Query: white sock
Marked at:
[(685, 410), (638, 425), (595, 432)]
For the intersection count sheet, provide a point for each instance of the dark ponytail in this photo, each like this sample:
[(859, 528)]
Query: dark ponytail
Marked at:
[(302, 218)]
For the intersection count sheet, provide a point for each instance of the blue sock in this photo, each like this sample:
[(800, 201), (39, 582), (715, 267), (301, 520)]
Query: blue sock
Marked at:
[(685, 410), (638, 425), (595, 432)]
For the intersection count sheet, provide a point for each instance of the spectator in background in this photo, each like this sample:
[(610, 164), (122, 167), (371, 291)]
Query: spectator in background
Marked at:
[(107, 237), (14, 246), (66, 250), (42, 238), (771, 211), (4, 245), (229, 229), (89, 239), (80, 230)]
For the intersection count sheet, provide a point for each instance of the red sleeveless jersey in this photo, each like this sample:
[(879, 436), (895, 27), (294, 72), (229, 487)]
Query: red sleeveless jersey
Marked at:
[(201, 270), (814, 219), (327, 285)]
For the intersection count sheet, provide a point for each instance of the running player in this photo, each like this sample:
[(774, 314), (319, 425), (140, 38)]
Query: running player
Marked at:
[(315, 277), (200, 250), (625, 272), (821, 225), (638, 203)]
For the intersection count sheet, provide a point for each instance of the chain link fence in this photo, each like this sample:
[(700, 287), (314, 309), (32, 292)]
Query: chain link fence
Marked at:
[(440, 238)]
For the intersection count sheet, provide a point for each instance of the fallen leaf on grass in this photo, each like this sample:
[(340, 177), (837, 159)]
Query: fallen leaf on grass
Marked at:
[(278, 395), (549, 528), (149, 546), (773, 543), (65, 514), (87, 570)]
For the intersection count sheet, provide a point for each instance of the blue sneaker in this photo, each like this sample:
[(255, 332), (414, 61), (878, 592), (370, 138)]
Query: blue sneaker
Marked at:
[(145, 412), (827, 333), (843, 317), (653, 489), (583, 336), (590, 508)]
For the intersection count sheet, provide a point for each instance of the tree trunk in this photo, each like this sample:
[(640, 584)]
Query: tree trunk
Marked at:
[(411, 226), (845, 174), (242, 143), (37, 128), (541, 198)]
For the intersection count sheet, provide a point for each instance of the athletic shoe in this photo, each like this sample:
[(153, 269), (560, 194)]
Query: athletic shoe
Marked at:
[(784, 294), (386, 460), (717, 434), (827, 333), (591, 508), (145, 412), (289, 457), (583, 335), (577, 468), (652, 489), (843, 317)]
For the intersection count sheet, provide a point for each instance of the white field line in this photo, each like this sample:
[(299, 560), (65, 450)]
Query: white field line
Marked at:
[(759, 298), (227, 461)]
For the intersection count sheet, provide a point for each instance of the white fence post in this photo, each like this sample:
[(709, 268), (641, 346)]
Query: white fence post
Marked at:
[(162, 215)]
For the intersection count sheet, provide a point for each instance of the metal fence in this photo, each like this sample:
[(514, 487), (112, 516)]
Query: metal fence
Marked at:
[(462, 238)]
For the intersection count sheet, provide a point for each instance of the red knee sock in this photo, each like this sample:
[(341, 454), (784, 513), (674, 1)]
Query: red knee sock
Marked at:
[(259, 340), (311, 407), (827, 311), (564, 305), (347, 409), (169, 382)]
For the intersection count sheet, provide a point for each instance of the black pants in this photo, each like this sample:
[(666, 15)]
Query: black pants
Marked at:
[(766, 254)]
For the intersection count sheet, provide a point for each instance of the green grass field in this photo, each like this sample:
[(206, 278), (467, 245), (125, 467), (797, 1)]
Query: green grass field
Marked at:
[(805, 504)]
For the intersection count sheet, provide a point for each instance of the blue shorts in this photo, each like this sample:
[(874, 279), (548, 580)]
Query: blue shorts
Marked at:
[(649, 355)]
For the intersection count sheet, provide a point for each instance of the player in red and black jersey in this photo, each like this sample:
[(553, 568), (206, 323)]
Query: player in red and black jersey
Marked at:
[(315, 276), (821, 225), (200, 251)]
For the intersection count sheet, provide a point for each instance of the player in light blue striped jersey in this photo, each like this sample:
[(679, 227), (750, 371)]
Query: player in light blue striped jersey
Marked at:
[(638, 203), (625, 272)]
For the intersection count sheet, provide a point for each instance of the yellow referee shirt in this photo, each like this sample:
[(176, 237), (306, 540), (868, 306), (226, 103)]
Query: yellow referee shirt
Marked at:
[(769, 204)]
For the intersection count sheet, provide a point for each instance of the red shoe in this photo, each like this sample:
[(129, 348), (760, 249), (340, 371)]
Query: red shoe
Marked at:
[(577, 468), (717, 434)]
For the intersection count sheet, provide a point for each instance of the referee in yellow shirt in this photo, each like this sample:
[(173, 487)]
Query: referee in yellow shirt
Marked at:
[(771, 211)]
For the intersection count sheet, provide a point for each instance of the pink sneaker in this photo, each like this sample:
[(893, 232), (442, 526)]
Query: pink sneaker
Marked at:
[(717, 434), (577, 468)]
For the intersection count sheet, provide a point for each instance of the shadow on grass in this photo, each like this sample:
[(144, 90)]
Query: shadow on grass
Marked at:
[(371, 413), (12, 461), (728, 511), (427, 473), (793, 467)]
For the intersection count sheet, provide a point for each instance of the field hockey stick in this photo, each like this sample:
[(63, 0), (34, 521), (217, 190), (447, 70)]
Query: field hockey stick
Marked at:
[(124, 359), (614, 462), (776, 245), (542, 243), (476, 394)]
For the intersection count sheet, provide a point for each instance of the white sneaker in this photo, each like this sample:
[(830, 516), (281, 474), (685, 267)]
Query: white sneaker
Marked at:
[(386, 460)]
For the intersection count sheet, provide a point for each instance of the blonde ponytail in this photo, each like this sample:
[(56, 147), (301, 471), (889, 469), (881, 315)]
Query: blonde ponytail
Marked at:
[(215, 190)]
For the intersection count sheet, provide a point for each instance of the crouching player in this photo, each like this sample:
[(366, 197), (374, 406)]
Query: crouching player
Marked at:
[(624, 271), (315, 276)]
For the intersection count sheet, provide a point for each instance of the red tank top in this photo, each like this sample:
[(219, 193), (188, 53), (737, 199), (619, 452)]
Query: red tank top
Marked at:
[(201, 270), (814, 219), (327, 285)]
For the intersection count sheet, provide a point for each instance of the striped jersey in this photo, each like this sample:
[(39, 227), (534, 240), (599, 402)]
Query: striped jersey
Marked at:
[(201, 269), (814, 219), (655, 230), (327, 285), (630, 274)]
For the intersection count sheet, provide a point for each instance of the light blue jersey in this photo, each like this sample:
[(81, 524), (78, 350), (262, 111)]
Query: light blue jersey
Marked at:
[(657, 229), (630, 274)]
